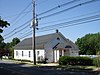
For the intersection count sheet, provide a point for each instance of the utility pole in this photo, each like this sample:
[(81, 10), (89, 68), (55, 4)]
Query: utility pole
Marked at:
[(33, 39)]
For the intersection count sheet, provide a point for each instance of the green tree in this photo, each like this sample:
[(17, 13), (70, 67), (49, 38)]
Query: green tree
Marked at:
[(10, 46), (15, 41), (89, 44), (3, 24)]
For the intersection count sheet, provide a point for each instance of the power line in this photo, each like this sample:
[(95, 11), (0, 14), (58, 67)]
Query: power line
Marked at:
[(21, 18), (59, 6), (70, 18), (71, 22), (26, 35), (16, 32), (30, 31), (21, 12), (63, 27), (17, 28), (71, 25), (16, 19), (79, 21), (10, 16), (67, 9), (67, 24)]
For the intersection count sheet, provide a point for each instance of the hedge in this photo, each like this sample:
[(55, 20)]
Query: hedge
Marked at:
[(68, 60), (96, 61)]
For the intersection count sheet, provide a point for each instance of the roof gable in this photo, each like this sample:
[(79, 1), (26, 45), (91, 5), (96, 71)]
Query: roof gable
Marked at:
[(40, 41), (26, 44)]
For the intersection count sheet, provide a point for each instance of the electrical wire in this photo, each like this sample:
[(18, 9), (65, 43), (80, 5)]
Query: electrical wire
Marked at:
[(59, 6), (63, 27), (69, 18), (17, 28), (59, 12), (26, 35), (71, 25), (66, 24), (10, 16), (21, 13), (21, 18), (30, 31), (16, 32), (70, 22)]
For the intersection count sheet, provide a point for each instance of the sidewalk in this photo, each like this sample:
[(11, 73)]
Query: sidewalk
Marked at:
[(30, 63), (49, 64)]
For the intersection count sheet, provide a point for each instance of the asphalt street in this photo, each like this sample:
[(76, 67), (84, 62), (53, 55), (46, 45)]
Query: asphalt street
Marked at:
[(12, 68)]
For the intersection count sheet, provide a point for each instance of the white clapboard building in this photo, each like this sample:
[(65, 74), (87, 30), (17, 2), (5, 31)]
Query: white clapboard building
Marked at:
[(51, 46)]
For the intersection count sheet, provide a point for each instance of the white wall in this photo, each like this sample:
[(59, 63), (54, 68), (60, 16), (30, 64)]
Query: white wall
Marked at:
[(74, 53), (56, 55), (49, 49), (26, 54)]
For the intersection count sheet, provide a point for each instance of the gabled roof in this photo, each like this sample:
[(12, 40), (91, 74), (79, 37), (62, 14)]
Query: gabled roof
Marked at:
[(40, 41), (26, 44)]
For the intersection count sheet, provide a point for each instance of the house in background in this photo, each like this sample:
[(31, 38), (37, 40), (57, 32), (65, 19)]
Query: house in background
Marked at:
[(51, 46)]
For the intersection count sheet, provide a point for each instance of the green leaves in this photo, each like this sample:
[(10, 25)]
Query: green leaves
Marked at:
[(15, 41), (1, 30), (70, 60), (4, 24), (89, 44)]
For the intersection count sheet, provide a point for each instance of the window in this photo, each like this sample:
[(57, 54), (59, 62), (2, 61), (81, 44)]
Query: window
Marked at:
[(38, 58), (29, 53), (22, 53), (38, 52), (16, 53), (64, 50), (58, 38)]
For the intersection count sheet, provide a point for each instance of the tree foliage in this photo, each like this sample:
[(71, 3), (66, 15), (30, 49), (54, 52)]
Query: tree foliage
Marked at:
[(89, 44), (6, 48), (3, 24), (10, 45), (70, 60), (15, 41), (97, 59)]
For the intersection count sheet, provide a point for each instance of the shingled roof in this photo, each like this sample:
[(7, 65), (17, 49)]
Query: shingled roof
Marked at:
[(26, 44), (40, 41)]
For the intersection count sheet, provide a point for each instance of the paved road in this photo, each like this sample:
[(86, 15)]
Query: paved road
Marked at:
[(11, 68)]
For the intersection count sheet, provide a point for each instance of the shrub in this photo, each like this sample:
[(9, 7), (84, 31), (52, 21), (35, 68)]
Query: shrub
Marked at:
[(96, 60), (67, 60)]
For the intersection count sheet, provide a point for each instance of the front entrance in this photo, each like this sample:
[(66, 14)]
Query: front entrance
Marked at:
[(59, 53)]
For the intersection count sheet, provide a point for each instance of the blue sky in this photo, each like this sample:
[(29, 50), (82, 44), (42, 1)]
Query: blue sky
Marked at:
[(13, 12)]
